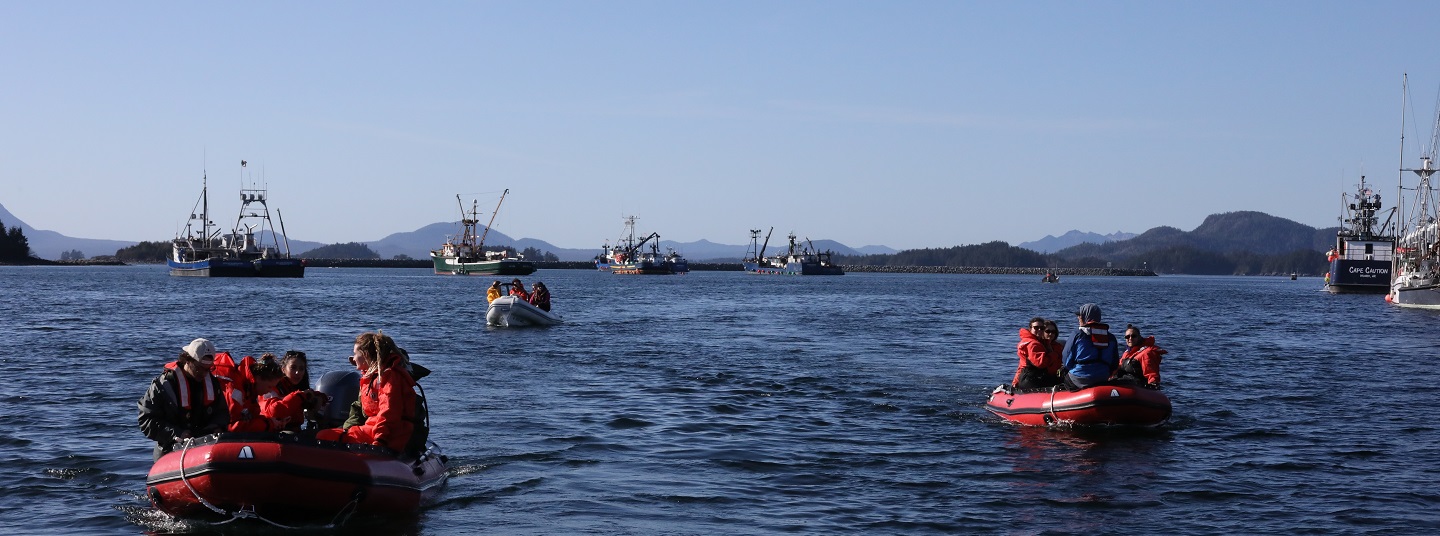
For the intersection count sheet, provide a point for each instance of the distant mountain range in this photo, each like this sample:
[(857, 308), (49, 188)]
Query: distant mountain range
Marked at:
[(50, 244), (1051, 243), (1231, 232)]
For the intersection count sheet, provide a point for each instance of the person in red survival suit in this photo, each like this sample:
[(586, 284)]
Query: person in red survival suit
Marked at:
[(1141, 361), (287, 401), (251, 379), (387, 396), (518, 289), (1037, 363)]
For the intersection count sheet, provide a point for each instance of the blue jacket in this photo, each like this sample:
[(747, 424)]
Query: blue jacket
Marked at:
[(1091, 354)]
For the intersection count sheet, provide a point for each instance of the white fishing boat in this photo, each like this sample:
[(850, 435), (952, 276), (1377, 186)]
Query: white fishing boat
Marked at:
[(1417, 248), (799, 258), (630, 256), (465, 254)]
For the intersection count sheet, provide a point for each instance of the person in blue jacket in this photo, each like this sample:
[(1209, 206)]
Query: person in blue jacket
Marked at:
[(1092, 354)]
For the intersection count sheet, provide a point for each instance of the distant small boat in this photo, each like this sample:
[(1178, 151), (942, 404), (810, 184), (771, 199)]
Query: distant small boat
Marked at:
[(1050, 277), (602, 261), (199, 251), (799, 259), (1361, 260), (677, 262), (465, 254), (511, 311)]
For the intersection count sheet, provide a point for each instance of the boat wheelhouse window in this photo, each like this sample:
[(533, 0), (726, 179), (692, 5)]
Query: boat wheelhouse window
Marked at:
[(1369, 249)]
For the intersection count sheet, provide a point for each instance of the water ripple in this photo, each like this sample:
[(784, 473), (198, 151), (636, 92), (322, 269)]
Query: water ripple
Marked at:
[(717, 403)]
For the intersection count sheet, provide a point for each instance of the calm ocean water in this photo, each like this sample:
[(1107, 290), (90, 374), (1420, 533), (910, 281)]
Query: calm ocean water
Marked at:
[(723, 403)]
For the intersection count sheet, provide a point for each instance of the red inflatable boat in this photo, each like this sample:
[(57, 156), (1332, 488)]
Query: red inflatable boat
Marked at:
[(281, 478), (1121, 404)]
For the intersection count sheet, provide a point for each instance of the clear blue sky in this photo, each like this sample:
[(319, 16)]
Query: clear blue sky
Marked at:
[(907, 124)]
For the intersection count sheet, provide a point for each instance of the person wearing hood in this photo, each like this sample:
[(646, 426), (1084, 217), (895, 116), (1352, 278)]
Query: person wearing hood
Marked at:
[(1141, 361), (1091, 355), (185, 400), (1038, 365)]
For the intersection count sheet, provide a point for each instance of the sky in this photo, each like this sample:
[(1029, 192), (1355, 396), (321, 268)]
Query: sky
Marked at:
[(907, 124)]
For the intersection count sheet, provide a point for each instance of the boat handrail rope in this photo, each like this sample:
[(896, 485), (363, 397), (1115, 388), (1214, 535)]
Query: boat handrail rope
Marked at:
[(185, 449), (242, 513), (348, 510), (1051, 408)]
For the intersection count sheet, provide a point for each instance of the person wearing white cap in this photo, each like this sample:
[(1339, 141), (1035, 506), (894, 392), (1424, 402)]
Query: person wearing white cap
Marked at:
[(1090, 355), (185, 400)]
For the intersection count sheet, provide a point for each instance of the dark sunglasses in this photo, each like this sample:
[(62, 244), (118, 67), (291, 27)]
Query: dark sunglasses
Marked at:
[(1051, 331), (1128, 337)]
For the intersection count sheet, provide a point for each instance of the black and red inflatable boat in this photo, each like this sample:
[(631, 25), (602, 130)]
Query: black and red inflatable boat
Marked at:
[(282, 478), (1116, 405)]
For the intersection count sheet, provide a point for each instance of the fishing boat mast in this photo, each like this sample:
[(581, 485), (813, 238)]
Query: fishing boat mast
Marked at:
[(759, 253), (492, 217), (205, 207), (467, 235), (1418, 229), (281, 217)]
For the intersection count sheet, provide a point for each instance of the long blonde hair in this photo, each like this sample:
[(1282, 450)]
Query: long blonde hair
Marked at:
[(380, 348)]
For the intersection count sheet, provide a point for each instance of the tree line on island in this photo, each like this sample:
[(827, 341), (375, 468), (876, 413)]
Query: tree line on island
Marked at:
[(14, 247), (1234, 243)]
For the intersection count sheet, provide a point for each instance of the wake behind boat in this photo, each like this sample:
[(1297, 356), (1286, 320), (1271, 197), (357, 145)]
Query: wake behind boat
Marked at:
[(199, 251), (1361, 260), (466, 255)]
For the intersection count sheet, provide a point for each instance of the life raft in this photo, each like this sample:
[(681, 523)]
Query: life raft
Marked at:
[(282, 478), (513, 311), (1116, 405)]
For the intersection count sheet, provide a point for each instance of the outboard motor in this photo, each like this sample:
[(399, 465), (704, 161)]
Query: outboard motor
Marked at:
[(343, 388)]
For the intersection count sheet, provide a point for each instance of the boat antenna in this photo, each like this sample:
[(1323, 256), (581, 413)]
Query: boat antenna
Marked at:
[(492, 218), (1400, 194)]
